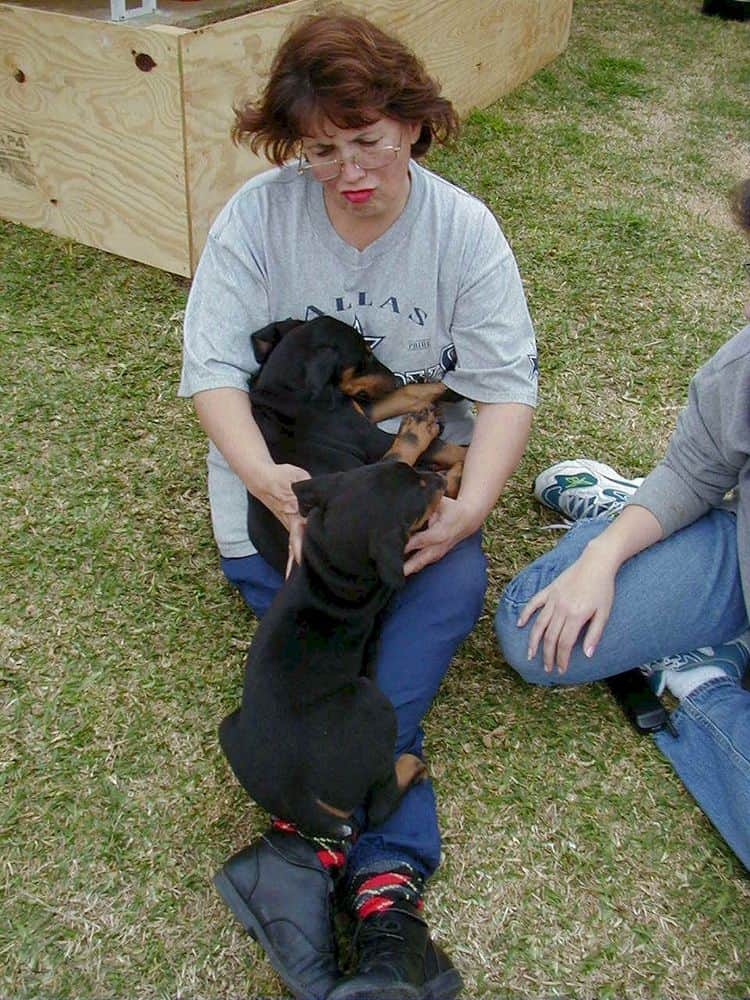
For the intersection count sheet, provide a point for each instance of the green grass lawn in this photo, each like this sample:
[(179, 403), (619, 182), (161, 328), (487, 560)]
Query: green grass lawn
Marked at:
[(575, 863)]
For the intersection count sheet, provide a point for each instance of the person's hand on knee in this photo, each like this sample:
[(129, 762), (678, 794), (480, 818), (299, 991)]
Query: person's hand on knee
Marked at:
[(581, 595)]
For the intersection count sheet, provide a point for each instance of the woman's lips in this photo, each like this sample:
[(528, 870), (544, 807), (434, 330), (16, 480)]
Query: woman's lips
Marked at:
[(358, 197)]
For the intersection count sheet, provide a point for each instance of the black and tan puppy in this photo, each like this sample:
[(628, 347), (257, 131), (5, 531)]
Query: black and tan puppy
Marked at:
[(306, 399), (314, 738)]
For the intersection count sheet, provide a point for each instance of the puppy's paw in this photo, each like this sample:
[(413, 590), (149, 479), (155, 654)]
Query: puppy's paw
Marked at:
[(416, 433), (428, 419), (409, 770), (422, 426)]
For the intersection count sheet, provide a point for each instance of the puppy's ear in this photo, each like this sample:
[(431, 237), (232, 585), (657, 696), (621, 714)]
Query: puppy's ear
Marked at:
[(316, 492), (387, 552), (265, 339), (321, 371)]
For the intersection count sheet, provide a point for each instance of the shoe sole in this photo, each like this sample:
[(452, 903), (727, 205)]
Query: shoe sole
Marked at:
[(243, 913), (446, 986)]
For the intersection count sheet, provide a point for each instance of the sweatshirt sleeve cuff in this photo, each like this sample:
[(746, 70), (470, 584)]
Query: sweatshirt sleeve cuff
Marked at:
[(670, 500)]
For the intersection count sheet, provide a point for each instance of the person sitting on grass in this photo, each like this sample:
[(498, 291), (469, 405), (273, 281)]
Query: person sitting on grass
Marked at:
[(657, 575), (349, 224)]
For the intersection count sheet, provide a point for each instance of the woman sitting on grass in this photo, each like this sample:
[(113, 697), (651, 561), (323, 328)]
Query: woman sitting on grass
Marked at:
[(664, 585), (348, 224)]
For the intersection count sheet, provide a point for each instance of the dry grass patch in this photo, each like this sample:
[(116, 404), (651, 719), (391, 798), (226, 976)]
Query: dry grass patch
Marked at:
[(575, 863)]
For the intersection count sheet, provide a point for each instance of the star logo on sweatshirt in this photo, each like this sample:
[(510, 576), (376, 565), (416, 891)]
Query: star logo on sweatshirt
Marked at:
[(372, 342)]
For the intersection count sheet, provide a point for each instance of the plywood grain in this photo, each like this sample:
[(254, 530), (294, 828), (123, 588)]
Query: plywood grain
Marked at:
[(196, 13), (91, 140), (117, 135)]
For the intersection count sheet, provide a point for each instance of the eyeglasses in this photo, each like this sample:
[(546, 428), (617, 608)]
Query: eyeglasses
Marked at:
[(374, 156)]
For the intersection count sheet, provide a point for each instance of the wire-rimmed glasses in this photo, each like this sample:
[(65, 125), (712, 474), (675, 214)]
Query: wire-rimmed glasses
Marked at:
[(371, 157)]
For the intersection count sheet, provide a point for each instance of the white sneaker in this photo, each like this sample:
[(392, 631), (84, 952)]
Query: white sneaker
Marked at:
[(582, 487), (733, 658)]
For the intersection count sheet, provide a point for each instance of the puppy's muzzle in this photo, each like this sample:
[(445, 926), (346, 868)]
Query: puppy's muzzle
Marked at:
[(434, 485)]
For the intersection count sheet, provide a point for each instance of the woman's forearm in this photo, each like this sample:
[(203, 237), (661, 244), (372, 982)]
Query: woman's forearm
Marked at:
[(227, 418), (632, 531), (500, 435)]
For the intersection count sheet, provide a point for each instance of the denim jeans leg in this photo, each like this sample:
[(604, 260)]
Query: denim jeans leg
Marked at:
[(255, 579), (679, 594), (711, 755), (425, 624)]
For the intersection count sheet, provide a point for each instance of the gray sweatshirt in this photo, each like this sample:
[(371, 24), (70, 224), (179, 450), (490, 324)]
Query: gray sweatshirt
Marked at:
[(437, 297), (709, 452)]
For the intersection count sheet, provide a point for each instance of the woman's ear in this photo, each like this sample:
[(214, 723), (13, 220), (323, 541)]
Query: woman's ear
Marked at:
[(413, 131)]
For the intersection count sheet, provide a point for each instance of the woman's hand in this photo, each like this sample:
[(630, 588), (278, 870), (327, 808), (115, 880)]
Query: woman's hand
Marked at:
[(582, 594), (274, 489), (227, 418), (448, 526), (296, 533)]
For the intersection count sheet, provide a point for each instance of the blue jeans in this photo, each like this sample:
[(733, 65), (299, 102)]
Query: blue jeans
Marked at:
[(425, 624), (679, 594)]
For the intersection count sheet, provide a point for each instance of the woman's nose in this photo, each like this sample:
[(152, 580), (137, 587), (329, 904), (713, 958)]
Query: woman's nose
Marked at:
[(351, 170)]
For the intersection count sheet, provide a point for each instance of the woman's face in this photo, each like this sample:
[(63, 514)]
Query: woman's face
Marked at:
[(366, 192)]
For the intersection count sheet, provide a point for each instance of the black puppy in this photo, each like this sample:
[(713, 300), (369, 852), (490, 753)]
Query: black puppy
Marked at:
[(314, 738), (306, 399)]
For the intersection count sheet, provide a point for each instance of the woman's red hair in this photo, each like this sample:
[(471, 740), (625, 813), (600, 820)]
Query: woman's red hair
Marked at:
[(341, 67)]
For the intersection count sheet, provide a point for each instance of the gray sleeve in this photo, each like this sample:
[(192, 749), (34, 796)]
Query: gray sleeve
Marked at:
[(496, 358), (699, 467), (226, 304)]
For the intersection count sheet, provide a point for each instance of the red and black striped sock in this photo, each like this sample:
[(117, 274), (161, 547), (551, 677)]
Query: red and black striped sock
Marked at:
[(373, 892), (331, 853)]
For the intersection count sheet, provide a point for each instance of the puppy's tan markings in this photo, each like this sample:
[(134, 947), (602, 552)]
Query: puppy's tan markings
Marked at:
[(452, 478), (409, 770), (417, 431), (407, 399), (332, 810), (371, 386)]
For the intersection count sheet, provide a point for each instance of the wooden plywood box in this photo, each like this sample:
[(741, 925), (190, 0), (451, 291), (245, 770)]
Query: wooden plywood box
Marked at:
[(117, 134)]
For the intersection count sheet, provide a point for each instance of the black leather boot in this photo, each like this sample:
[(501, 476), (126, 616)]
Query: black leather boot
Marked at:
[(397, 960), (282, 895)]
